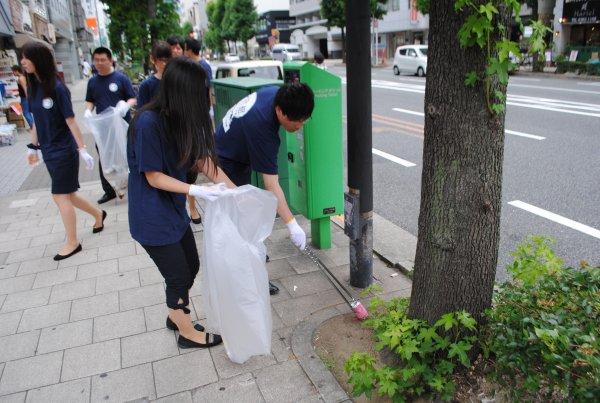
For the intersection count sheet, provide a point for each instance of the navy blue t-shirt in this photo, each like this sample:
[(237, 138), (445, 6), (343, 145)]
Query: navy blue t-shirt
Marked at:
[(248, 136), (156, 217), (49, 114), (148, 89), (105, 91)]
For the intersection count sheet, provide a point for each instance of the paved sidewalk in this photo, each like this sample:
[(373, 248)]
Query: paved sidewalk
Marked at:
[(91, 328)]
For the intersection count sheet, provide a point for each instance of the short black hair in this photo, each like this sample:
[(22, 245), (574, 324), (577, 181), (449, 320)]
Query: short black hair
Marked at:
[(296, 101), (175, 40), (102, 51), (319, 57), (161, 50), (194, 45), (18, 68)]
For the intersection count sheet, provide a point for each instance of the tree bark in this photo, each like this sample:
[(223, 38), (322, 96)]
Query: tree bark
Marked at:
[(457, 248)]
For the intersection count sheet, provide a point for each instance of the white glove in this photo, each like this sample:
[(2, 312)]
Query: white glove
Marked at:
[(33, 157), (87, 159), (122, 107), (297, 234), (87, 114), (208, 193)]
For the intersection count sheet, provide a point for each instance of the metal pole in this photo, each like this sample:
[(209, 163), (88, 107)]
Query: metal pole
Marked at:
[(360, 142)]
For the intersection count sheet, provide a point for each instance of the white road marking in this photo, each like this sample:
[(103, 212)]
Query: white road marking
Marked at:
[(546, 104), (409, 112), (556, 218), (524, 79), (546, 108), (513, 132), (591, 84), (393, 158), (527, 135), (541, 87)]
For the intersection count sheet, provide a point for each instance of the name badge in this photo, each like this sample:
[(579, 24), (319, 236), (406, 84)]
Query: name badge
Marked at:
[(47, 103), (113, 87)]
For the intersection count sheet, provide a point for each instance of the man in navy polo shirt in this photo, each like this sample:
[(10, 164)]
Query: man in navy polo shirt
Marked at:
[(108, 88), (248, 140)]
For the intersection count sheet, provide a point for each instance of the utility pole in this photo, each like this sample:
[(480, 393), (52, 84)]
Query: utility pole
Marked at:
[(359, 199)]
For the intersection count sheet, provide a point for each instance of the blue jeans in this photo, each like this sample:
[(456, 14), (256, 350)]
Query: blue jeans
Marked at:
[(26, 112)]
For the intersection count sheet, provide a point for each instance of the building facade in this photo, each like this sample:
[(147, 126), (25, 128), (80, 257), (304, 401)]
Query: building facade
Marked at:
[(576, 25), (403, 24), (273, 27), (310, 31), (194, 12)]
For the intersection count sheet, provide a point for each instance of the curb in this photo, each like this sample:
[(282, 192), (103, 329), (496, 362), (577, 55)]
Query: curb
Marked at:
[(328, 387), (392, 244)]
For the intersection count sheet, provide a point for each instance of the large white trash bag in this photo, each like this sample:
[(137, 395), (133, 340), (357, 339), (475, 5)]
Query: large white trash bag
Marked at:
[(110, 132), (235, 280)]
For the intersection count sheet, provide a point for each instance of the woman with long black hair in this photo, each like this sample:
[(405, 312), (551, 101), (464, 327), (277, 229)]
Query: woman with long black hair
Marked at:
[(169, 137), (57, 135)]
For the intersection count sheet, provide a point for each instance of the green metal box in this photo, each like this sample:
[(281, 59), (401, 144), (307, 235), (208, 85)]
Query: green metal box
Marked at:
[(228, 92), (314, 153)]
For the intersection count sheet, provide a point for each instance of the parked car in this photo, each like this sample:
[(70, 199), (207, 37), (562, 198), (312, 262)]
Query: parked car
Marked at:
[(411, 59), (253, 68), (229, 58), (286, 52)]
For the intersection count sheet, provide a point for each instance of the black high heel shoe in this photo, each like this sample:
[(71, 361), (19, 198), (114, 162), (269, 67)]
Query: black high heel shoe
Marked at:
[(210, 341), (100, 228), (171, 325)]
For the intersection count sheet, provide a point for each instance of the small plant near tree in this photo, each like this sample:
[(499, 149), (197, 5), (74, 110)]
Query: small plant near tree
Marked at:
[(541, 337), (543, 329), (428, 355)]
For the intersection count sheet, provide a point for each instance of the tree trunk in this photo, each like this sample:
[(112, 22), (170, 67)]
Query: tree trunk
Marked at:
[(457, 248)]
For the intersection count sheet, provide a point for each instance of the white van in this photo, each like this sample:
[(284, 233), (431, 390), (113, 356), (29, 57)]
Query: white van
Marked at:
[(272, 69), (411, 59), (286, 52)]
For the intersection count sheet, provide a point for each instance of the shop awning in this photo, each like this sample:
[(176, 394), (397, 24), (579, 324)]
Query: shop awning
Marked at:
[(22, 39)]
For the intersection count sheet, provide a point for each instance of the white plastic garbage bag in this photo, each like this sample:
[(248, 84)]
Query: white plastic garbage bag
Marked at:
[(235, 280), (110, 132)]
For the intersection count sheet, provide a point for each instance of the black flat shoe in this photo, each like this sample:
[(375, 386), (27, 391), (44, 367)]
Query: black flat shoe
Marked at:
[(267, 259), (106, 198), (273, 289), (62, 257), (197, 220), (100, 228), (171, 325), (210, 341)]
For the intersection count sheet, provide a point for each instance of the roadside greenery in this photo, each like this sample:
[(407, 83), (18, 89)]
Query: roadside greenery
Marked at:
[(541, 337)]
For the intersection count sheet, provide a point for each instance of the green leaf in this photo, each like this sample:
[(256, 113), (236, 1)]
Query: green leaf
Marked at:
[(408, 348), (465, 319), (471, 79), (447, 321), (489, 10), (460, 350)]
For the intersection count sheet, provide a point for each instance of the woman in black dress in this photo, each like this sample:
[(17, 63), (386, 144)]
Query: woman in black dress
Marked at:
[(57, 135)]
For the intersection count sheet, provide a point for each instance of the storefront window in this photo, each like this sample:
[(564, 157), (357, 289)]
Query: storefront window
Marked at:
[(585, 35)]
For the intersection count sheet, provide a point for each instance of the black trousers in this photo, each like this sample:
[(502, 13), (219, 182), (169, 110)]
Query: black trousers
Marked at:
[(179, 264), (106, 186)]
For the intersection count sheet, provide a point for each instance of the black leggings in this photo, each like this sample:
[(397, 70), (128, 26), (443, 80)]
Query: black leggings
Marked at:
[(179, 264)]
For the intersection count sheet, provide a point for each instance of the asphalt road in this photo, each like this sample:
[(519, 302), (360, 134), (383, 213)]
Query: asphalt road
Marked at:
[(551, 182)]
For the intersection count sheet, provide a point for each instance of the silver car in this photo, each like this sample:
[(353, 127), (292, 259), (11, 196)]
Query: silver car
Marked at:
[(286, 52), (411, 59)]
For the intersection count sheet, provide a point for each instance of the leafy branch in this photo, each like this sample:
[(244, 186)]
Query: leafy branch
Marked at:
[(484, 28)]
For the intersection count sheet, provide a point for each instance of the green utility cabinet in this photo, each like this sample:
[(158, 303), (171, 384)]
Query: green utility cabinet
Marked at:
[(228, 92), (314, 153), (311, 160)]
